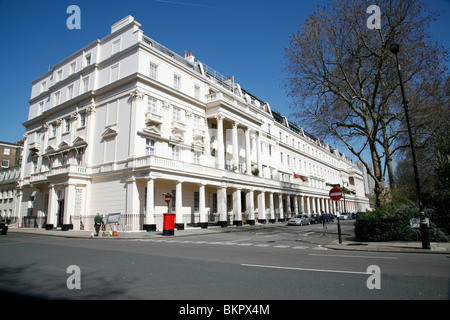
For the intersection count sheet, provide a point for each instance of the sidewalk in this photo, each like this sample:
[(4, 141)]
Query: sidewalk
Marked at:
[(188, 231), (406, 247)]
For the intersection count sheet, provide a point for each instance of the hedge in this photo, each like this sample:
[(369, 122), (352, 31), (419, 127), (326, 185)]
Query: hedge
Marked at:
[(393, 224)]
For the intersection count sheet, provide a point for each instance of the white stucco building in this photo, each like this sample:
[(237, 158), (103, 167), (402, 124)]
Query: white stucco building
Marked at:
[(123, 120)]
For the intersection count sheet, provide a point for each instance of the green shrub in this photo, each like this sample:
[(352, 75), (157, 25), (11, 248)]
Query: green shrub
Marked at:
[(392, 223)]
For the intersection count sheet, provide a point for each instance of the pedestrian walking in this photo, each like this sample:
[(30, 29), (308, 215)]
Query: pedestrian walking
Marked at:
[(98, 221), (324, 221)]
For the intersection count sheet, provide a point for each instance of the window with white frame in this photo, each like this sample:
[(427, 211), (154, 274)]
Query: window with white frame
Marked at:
[(149, 147), (66, 125), (85, 85), (87, 59), (5, 163), (82, 119), (196, 91), (175, 153), (43, 86), (177, 82), (197, 155), (176, 114), (153, 71), (53, 131), (80, 156), (70, 92), (196, 201), (64, 158), (73, 67), (152, 105), (198, 122), (59, 76), (57, 98), (7, 151), (34, 165)]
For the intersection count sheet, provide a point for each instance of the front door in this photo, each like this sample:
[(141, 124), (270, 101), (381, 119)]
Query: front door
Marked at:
[(60, 213)]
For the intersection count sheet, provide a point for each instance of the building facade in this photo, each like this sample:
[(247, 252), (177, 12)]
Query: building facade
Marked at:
[(123, 120), (11, 154), (9, 180)]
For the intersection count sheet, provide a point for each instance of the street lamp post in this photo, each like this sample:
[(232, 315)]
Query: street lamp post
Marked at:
[(423, 222)]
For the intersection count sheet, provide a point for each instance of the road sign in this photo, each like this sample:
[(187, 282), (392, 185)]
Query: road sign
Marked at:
[(167, 198), (335, 194)]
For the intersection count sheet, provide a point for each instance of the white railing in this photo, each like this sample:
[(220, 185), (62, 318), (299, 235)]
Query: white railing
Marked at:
[(41, 176)]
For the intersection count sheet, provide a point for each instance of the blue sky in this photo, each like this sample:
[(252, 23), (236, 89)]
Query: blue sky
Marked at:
[(243, 38)]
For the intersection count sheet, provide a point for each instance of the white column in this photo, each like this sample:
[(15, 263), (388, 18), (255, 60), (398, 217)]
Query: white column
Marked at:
[(288, 205), (302, 204), (313, 200), (262, 206), (237, 207), (295, 204), (150, 205), (52, 205), (220, 145), (69, 203), (201, 204), (131, 222), (222, 206), (179, 206), (250, 206), (136, 98), (322, 205), (271, 207), (235, 146), (258, 149), (280, 206), (248, 155), (308, 205)]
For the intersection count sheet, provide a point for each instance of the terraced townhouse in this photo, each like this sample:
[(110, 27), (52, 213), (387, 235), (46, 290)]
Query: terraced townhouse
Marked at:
[(123, 120)]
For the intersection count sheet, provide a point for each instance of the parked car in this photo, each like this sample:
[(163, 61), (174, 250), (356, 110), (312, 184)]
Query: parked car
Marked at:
[(316, 218), (3, 228), (345, 216), (299, 220), (358, 214)]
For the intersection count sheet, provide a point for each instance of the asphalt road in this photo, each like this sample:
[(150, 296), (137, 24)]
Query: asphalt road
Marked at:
[(276, 263)]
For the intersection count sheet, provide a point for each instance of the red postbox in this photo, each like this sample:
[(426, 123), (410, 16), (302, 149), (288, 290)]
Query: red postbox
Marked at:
[(169, 224), (169, 218)]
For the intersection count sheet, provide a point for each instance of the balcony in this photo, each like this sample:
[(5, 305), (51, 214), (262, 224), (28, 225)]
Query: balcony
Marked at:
[(159, 164), (198, 133), (178, 126), (220, 96), (153, 119), (43, 177), (240, 107)]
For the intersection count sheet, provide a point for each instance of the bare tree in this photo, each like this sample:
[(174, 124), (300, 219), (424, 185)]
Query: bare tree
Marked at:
[(343, 77)]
